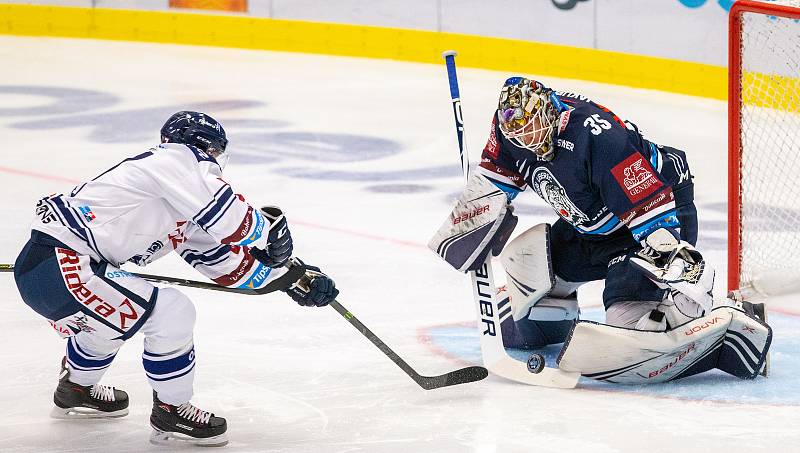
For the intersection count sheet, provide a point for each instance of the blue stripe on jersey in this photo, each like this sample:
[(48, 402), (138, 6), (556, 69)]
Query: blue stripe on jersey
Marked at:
[(74, 223), (215, 207), (68, 217), (81, 360), (159, 368), (609, 225), (257, 231), (666, 220), (653, 156), (258, 278), (208, 258), (511, 191)]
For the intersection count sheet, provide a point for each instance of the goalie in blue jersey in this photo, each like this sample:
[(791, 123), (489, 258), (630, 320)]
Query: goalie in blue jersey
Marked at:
[(626, 215)]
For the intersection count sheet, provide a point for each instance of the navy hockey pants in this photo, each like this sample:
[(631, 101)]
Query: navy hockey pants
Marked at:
[(577, 258)]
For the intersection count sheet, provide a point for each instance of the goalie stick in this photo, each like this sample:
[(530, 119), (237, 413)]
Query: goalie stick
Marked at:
[(494, 354), (460, 376)]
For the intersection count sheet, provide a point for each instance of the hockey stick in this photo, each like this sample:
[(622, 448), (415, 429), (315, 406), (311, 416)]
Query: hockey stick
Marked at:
[(460, 376), (495, 357), (186, 282)]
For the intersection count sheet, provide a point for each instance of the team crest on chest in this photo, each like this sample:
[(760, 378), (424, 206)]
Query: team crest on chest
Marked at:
[(551, 191)]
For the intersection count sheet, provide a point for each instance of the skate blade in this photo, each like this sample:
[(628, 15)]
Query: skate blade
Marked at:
[(158, 437), (79, 413)]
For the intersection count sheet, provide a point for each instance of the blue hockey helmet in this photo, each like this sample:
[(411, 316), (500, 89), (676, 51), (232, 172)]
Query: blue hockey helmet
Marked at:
[(199, 130), (527, 114)]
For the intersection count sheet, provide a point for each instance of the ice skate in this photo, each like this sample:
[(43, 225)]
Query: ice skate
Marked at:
[(186, 424), (73, 401)]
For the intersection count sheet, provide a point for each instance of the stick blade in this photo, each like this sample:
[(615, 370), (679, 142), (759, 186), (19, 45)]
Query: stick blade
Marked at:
[(514, 370), (462, 376)]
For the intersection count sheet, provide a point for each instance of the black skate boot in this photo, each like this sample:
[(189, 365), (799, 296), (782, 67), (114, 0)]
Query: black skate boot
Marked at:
[(75, 401), (186, 423)]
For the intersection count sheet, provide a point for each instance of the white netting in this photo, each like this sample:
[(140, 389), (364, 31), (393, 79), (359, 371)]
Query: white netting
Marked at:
[(770, 141)]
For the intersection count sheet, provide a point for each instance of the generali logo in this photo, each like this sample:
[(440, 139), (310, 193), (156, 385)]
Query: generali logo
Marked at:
[(637, 177)]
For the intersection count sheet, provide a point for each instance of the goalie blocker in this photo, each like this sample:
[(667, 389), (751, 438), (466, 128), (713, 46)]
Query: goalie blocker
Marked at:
[(481, 222)]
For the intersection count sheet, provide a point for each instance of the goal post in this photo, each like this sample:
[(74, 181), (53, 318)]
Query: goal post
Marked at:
[(763, 138)]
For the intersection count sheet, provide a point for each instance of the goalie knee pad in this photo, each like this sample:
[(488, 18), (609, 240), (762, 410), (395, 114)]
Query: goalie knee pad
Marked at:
[(549, 322), (538, 320), (529, 270)]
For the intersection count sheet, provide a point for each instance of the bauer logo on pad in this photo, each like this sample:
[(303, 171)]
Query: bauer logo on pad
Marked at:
[(636, 177)]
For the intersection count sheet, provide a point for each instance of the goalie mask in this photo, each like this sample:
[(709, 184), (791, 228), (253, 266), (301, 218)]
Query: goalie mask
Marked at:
[(198, 130), (527, 115)]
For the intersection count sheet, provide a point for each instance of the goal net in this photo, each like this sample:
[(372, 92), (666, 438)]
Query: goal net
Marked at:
[(764, 138)]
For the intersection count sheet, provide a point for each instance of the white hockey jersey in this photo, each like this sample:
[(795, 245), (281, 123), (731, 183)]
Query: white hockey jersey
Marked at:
[(171, 197)]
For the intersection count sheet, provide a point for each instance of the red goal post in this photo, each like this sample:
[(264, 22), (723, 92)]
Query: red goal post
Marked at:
[(763, 138)]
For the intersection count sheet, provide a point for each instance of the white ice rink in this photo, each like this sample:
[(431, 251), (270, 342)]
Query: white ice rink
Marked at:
[(361, 155)]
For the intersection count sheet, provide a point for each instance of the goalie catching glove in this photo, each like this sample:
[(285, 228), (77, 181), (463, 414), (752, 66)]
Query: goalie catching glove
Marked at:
[(481, 222), (674, 264)]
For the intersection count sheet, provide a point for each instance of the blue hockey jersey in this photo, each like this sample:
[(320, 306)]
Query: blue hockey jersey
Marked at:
[(604, 176)]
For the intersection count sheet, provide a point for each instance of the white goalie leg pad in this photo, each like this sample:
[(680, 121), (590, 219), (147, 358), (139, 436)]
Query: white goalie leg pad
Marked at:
[(530, 278), (482, 220), (726, 338)]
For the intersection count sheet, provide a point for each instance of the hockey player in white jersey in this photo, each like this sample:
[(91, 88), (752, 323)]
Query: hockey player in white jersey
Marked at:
[(171, 197)]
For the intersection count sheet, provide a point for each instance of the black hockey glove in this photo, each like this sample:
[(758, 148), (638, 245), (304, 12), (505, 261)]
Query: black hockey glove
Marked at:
[(279, 246), (313, 289)]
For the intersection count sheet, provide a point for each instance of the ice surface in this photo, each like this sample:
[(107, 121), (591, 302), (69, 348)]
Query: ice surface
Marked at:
[(361, 155)]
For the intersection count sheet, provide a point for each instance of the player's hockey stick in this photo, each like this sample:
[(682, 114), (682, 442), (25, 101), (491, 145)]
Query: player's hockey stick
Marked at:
[(460, 376), (495, 357)]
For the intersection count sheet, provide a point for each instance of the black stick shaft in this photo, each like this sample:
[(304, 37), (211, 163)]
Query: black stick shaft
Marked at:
[(456, 377), (351, 318)]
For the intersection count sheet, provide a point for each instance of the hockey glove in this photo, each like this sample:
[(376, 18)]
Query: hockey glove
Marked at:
[(313, 288), (672, 263), (279, 245)]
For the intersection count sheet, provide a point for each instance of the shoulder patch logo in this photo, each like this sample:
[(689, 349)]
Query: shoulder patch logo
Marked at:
[(492, 148), (547, 186), (563, 120), (636, 177)]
